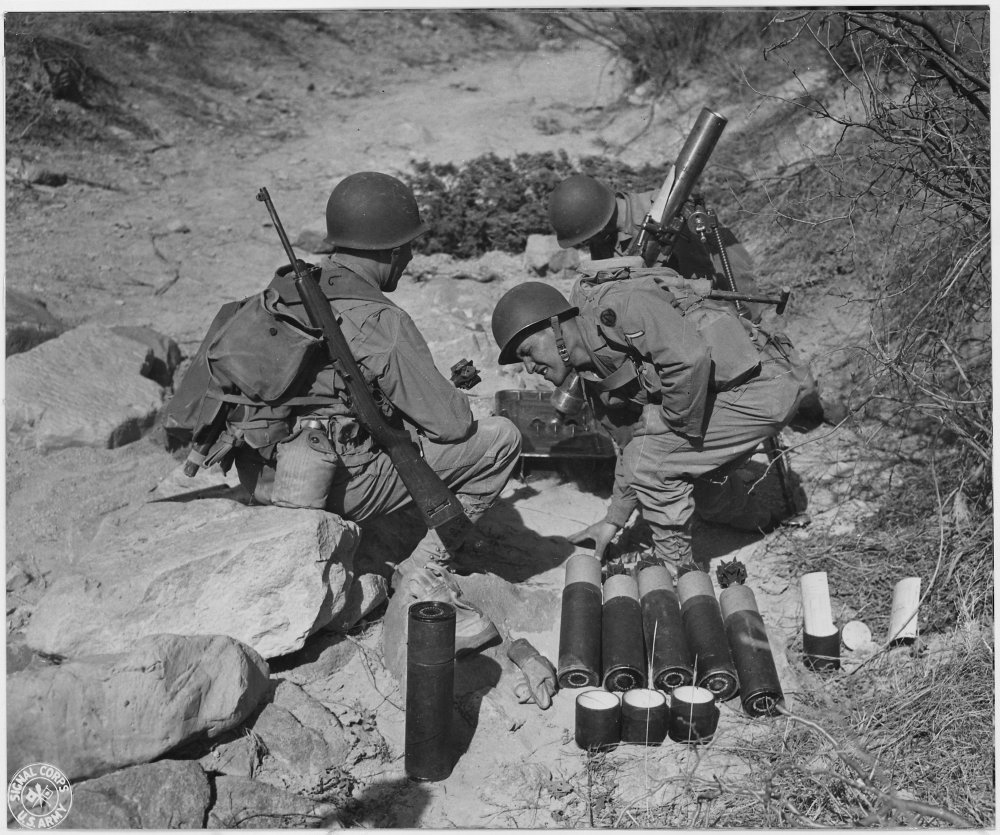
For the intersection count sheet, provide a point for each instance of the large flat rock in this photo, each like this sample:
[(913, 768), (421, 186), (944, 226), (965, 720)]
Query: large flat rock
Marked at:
[(88, 387), (29, 322), (267, 576), (98, 714), (171, 794)]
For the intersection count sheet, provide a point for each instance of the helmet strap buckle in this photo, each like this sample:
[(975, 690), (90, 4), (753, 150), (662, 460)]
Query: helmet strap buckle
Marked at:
[(560, 339)]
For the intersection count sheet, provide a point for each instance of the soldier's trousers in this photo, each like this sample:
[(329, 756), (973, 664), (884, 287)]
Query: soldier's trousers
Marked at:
[(670, 475), (365, 483), (475, 469)]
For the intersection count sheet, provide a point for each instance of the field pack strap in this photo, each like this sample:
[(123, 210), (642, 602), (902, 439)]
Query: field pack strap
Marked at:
[(626, 373)]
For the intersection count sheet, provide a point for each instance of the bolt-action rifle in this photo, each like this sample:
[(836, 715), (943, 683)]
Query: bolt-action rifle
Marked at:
[(432, 497)]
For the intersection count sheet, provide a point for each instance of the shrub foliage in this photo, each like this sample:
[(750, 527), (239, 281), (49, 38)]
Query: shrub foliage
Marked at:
[(494, 203)]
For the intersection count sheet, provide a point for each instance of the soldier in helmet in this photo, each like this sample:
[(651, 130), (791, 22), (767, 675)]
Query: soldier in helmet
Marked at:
[(685, 386), (583, 210), (323, 457)]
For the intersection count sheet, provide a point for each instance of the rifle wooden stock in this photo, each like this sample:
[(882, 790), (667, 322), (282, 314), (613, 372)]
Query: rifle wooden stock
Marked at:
[(676, 191), (432, 497)]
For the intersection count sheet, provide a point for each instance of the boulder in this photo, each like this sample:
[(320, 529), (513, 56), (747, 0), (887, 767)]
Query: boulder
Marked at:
[(101, 713), (166, 352), (312, 713), (490, 266), (537, 252), (268, 576), (314, 241), (87, 387), (29, 323), (171, 794), (295, 753), (292, 743), (367, 593), (250, 804), (564, 259)]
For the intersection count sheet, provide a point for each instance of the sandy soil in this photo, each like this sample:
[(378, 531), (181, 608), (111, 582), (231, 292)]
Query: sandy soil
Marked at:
[(186, 224)]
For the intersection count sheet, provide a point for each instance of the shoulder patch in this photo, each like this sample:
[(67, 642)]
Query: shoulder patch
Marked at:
[(608, 317)]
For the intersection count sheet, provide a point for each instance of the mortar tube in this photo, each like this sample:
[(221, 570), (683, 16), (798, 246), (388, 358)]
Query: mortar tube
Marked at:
[(622, 651), (430, 690), (706, 635), (580, 624), (760, 688), (670, 662)]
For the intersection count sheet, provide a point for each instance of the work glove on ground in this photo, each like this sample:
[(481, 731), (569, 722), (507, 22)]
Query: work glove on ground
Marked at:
[(540, 680)]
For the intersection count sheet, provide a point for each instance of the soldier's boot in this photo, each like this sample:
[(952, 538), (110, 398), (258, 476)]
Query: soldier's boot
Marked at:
[(460, 548), (432, 581)]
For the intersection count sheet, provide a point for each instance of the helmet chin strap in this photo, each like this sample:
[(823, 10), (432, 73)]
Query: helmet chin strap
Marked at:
[(394, 257), (560, 340)]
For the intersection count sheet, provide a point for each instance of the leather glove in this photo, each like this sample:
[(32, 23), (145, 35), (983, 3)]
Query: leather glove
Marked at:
[(540, 679)]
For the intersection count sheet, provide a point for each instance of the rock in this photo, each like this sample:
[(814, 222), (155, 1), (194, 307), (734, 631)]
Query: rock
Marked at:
[(171, 794), (537, 252), (411, 135), (18, 577), (101, 713), (166, 352), (311, 713), (251, 804), (19, 654), (267, 576), (323, 656), (367, 592), (87, 387), (29, 323), (177, 227), (311, 240), (238, 755), (294, 755), (564, 259), (500, 266), (489, 266)]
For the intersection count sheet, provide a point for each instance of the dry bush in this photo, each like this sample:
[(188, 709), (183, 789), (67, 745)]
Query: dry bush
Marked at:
[(911, 96), (661, 47)]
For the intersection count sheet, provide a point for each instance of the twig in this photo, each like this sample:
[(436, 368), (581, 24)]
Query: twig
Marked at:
[(166, 285), (866, 778)]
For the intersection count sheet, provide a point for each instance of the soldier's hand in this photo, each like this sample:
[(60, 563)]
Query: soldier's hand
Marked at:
[(600, 532), (540, 680), (663, 235)]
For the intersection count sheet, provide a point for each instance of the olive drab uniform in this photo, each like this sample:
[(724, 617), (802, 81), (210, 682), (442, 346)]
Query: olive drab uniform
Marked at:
[(316, 454), (689, 389), (691, 257)]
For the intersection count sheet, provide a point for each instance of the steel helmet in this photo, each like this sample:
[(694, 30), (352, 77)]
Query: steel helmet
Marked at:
[(524, 309), (372, 211), (579, 208)]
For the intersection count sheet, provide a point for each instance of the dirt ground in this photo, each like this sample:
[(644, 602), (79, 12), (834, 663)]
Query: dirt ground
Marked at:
[(171, 232)]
